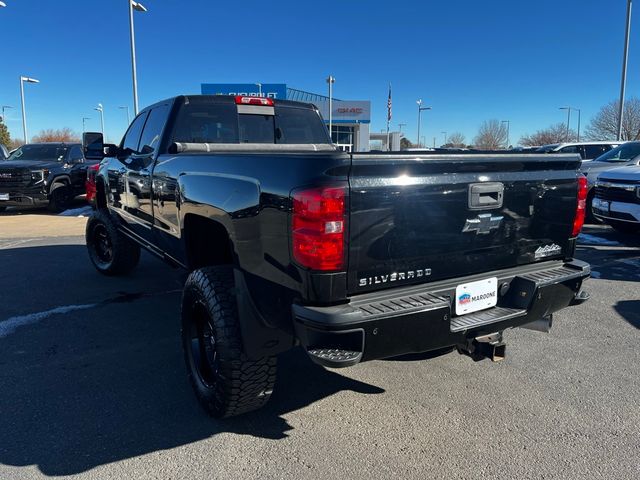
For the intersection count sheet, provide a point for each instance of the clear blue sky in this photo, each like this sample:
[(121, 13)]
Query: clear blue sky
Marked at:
[(470, 60)]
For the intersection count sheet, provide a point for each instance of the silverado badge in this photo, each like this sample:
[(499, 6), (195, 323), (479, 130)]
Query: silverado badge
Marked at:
[(482, 224)]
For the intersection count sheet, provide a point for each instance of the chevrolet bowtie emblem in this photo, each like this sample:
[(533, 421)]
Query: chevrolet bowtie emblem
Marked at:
[(482, 224)]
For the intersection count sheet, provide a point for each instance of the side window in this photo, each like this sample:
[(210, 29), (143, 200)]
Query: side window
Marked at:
[(76, 154), (569, 149), (153, 129), (593, 151), (131, 139)]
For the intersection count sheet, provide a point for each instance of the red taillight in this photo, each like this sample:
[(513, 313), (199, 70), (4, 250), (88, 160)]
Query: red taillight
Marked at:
[(267, 102), (581, 207), (319, 227)]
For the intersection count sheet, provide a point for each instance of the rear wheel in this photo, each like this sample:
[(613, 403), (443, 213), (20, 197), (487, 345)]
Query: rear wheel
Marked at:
[(60, 197), (624, 227), (110, 251), (225, 380)]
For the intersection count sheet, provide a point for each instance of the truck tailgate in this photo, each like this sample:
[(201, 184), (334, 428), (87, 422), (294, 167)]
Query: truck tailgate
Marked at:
[(418, 218)]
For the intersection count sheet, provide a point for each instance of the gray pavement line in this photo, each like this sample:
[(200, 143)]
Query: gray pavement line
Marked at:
[(16, 243), (8, 326)]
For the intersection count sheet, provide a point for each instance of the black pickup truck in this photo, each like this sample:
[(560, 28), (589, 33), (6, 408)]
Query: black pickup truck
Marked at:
[(354, 257), (43, 174)]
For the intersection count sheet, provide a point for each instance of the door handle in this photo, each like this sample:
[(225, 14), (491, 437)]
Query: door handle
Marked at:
[(486, 195)]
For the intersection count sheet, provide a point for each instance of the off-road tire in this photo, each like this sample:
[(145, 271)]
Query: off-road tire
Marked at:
[(60, 197), (624, 227), (225, 380), (2, 209), (110, 251)]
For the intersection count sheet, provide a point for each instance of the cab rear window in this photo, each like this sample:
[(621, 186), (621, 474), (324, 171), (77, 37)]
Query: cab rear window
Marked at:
[(221, 123)]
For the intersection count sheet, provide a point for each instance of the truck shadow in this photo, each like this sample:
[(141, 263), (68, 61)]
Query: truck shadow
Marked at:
[(630, 311), (107, 383)]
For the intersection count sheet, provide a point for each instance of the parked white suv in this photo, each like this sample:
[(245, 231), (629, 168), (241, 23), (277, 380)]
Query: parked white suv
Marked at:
[(617, 198), (587, 150)]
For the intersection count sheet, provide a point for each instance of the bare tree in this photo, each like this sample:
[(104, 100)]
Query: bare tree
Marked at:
[(405, 143), (455, 140), (61, 135), (554, 134), (5, 138), (492, 135), (15, 143), (604, 126)]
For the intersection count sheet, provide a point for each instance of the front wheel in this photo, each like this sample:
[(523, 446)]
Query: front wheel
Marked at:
[(225, 380), (624, 227), (60, 197), (110, 251)]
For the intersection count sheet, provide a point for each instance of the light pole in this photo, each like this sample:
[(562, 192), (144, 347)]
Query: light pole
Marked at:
[(568, 109), (508, 122), (4, 107), (139, 8), (625, 57), (100, 109), (331, 80), (445, 137), (83, 121), (24, 114), (579, 113), (420, 109), (259, 85), (122, 107)]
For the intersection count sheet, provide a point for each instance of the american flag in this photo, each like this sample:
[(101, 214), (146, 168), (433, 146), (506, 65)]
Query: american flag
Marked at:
[(389, 105)]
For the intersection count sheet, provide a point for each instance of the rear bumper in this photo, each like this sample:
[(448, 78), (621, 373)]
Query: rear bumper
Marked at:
[(419, 318)]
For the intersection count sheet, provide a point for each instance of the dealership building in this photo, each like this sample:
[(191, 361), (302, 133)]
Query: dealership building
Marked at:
[(350, 118)]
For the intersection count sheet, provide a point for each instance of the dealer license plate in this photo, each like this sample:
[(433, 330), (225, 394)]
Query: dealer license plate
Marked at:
[(474, 296), (4, 196)]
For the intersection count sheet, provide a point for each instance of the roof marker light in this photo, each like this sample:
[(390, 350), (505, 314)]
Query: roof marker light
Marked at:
[(267, 102)]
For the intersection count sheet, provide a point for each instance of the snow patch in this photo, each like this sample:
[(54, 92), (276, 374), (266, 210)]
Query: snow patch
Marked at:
[(588, 239), (77, 212), (8, 326)]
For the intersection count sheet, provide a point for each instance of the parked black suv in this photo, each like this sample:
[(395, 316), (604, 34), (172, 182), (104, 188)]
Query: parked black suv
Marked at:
[(50, 174)]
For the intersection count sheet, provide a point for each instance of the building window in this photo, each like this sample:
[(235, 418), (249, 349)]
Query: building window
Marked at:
[(343, 137)]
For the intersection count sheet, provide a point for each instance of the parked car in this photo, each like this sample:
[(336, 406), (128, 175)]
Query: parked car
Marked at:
[(4, 152), (617, 198), (586, 150), (626, 154), (47, 174), (354, 257)]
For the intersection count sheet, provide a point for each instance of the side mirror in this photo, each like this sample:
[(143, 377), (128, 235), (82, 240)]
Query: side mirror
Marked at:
[(93, 145)]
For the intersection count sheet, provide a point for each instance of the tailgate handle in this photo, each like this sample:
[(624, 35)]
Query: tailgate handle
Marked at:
[(485, 195)]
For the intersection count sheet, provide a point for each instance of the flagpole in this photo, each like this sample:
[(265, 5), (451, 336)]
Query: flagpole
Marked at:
[(388, 118)]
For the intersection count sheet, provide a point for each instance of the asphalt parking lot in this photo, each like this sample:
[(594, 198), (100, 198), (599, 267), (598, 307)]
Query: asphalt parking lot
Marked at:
[(93, 385)]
